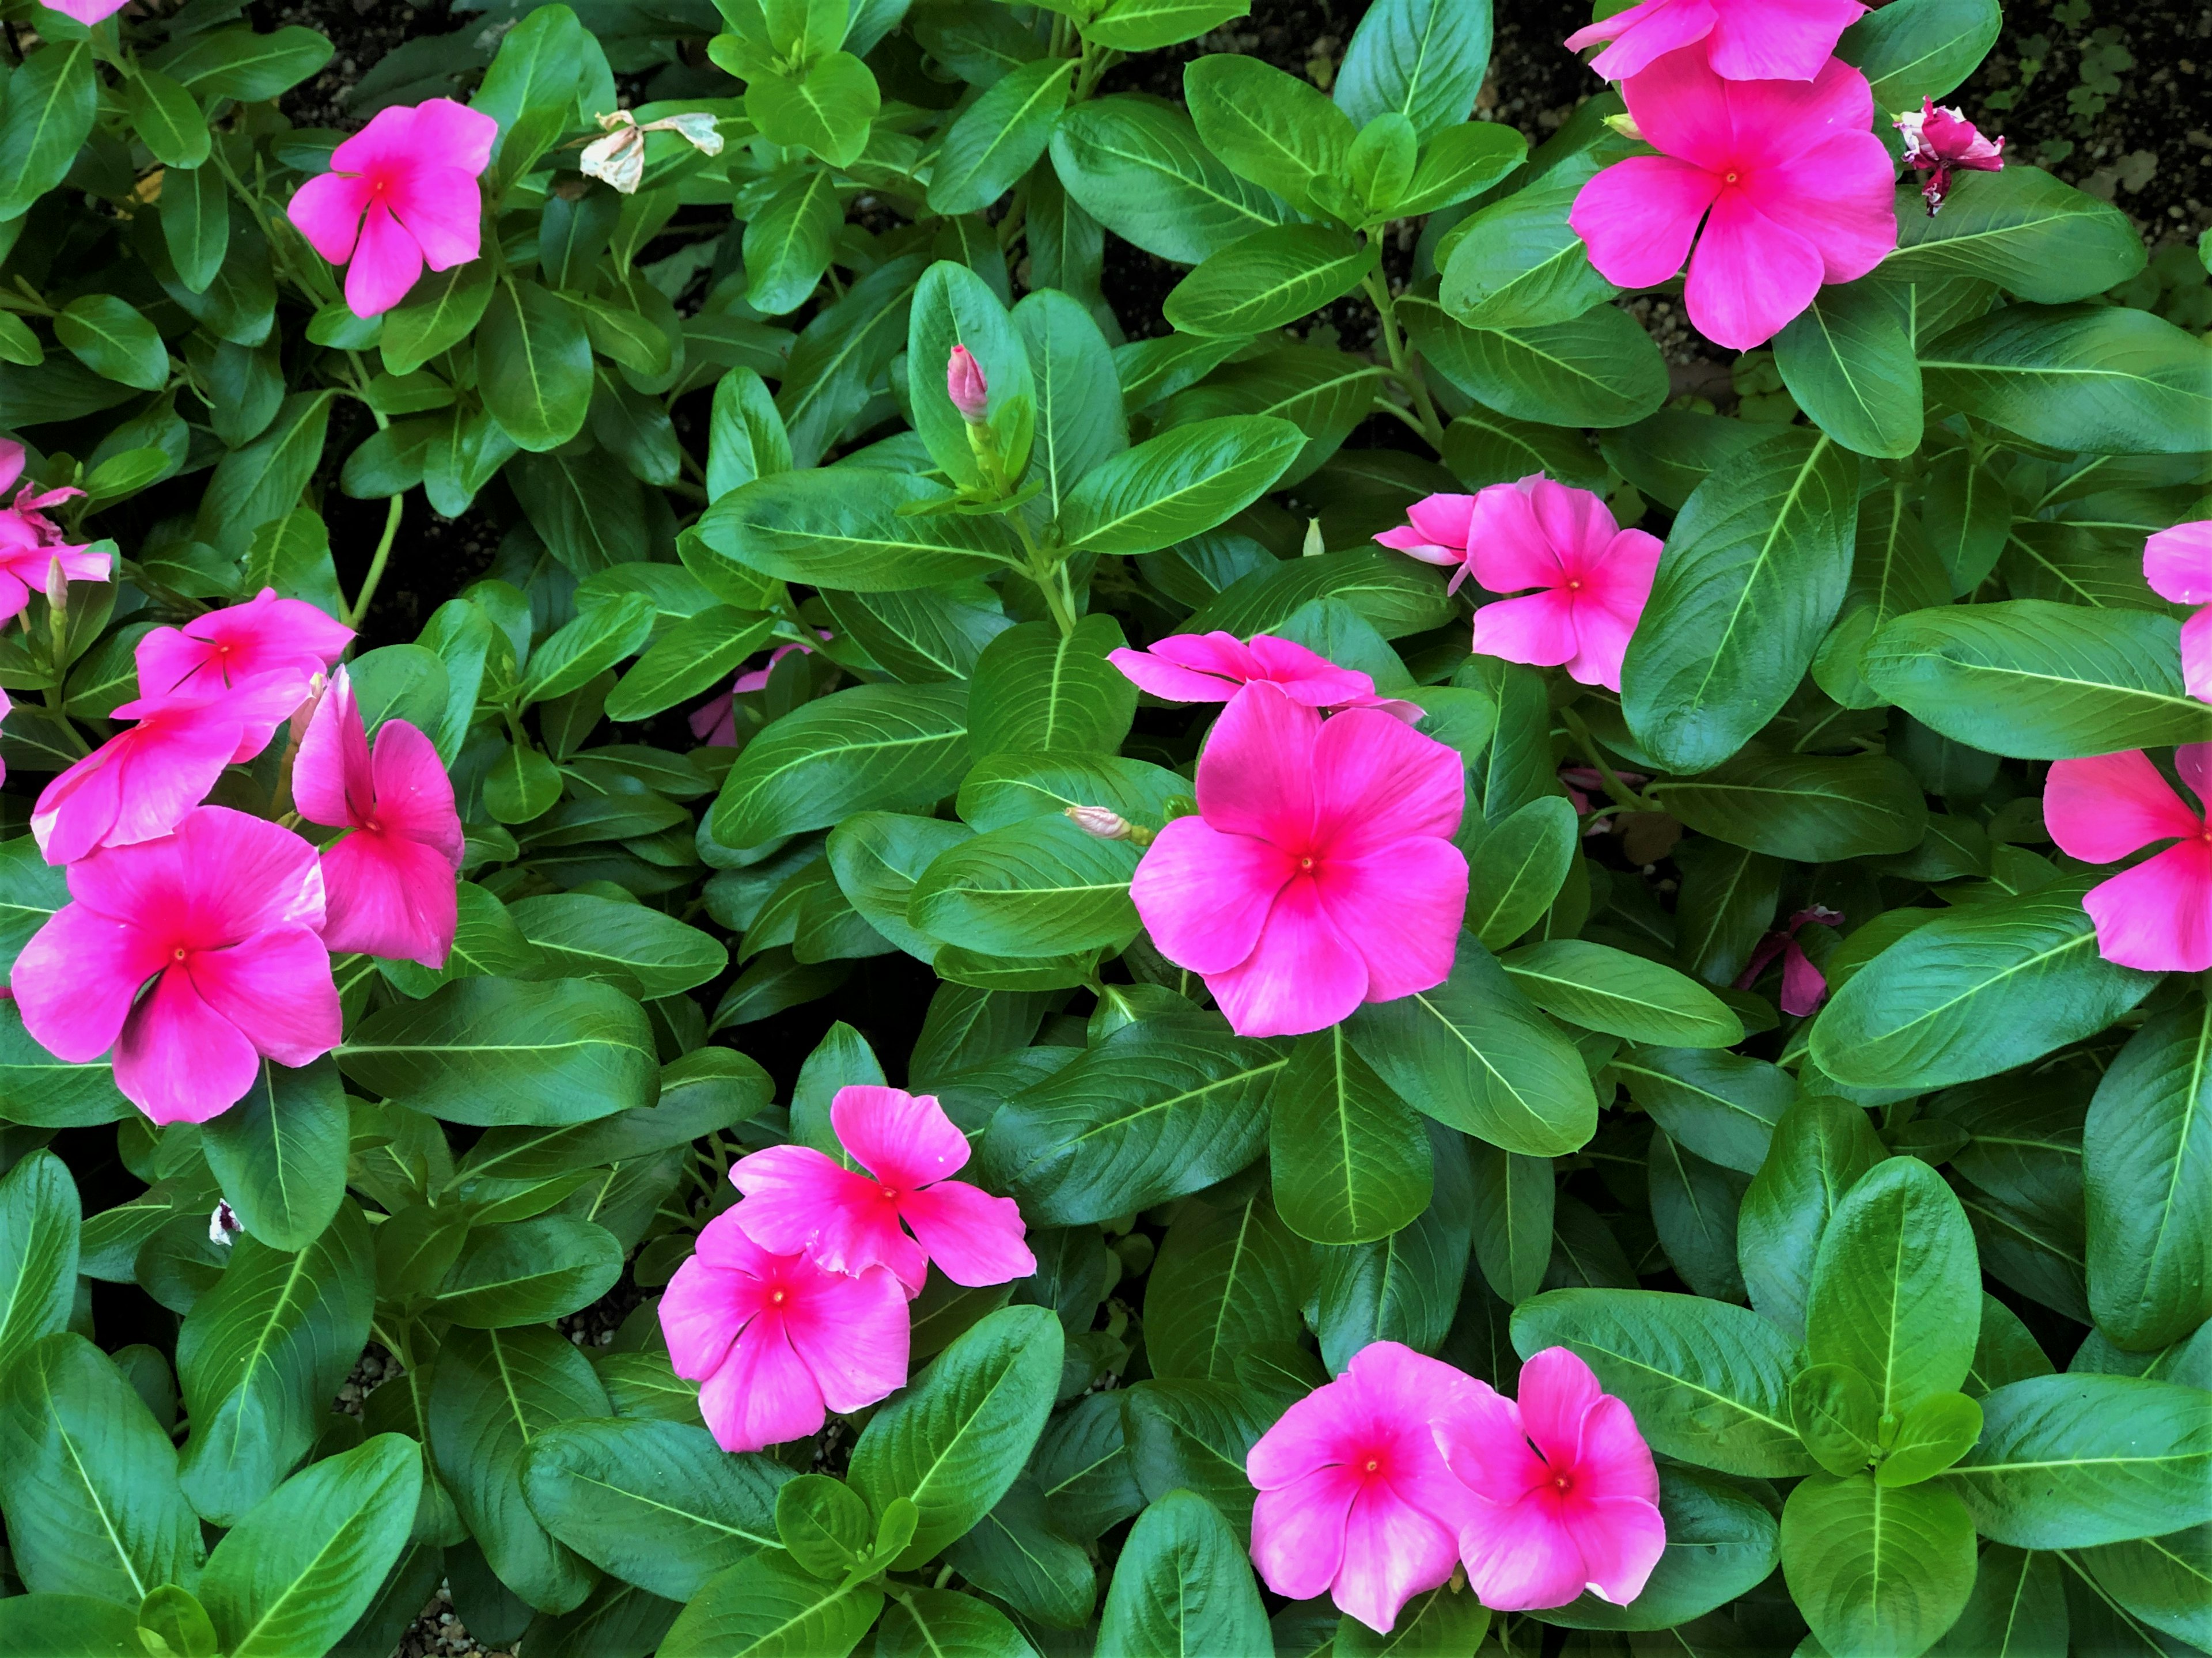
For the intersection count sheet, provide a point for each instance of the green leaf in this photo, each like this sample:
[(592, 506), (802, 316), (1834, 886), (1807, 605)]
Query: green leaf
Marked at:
[(493, 1392), (768, 1606), (174, 1615), (196, 226), (1269, 278), (1722, 1540), (1148, 25), (843, 528), (1975, 992), (528, 1271), (1350, 1159), (1181, 1585), (1437, 1624), (1270, 127), (1916, 49), (1138, 168), (1848, 360), (656, 1504), (440, 310), (1753, 572), (998, 138), (1837, 1417), (1515, 1202), (1516, 868), (1080, 421), (239, 65), (2104, 378), (261, 1355), (1017, 1554), (1474, 1054), (1602, 988), (1518, 264), (112, 338), (51, 99), (872, 748), (697, 654), (1038, 691), (1723, 1107), (1407, 1287), (264, 479), (1813, 808), (1175, 486), (2073, 1461), (1599, 368), (954, 1440), (2164, 1580), (1708, 1382), (2147, 1170), (1424, 59), (40, 1219), (1934, 1434), (1896, 1292), (2039, 680), (788, 243), (2021, 229), (281, 1153), (1161, 1108), (823, 1525), (826, 107), (746, 436), (167, 119), (89, 1481), (534, 365), (1041, 887), (491, 1051), (297, 1570), (2017, 1610), (640, 951), (80, 1625), (1877, 1572), (1227, 1276)]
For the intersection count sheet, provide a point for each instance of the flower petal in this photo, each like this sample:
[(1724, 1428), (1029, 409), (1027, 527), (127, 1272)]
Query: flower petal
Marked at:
[(1521, 1555), (331, 782), (1298, 1531), (1644, 33), (178, 1060), (442, 209), (1639, 216), (1392, 1552), (1682, 109), (1402, 906), (852, 1334), (2196, 654), (2103, 809), (1203, 896), (1511, 550), (276, 986), (1611, 1457), (1256, 775), (327, 210), (974, 1238), (701, 1311), (1377, 780), (1169, 682), (385, 895), (1620, 1539), (2158, 915), (2178, 562), (385, 265), (76, 978), (1538, 629), (904, 1139), (762, 1394), (1777, 39), (1749, 277), (1303, 975), (1840, 196), (1556, 1389)]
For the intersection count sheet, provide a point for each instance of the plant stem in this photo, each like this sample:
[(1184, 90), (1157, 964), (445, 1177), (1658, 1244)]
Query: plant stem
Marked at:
[(1405, 364), (1048, 578), (359, 608), (1620, 793)]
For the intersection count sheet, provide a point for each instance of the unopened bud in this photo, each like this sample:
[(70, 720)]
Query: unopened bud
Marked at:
[(965, 385), (1626, 126), (1102, 821), (56, 587)]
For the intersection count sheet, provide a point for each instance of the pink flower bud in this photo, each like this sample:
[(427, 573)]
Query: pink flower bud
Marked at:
[(1102, 821), (1938, 140), (965, 385)]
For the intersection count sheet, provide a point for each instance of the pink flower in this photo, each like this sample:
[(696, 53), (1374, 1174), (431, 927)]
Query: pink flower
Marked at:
[(264, 636), (776, 1341), (715, 722), (1744, 39), (1213, 668), (1938, 140), (31, 544), (1320, 872), (965, 385), (390, 882), (2178, 564), (1804, 987), (1595, 577), (1585, 787), (1565, 1496), (1800, 192), (1435, 532), (797, 1200), (1354, 1497), (87, 12), (140, 783), (221, 916), (401, 193), (2158, 915)]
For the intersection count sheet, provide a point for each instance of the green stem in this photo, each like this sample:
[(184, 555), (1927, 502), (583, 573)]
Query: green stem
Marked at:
[(359, 608), (1049, 580), (1405, 364), (1620, 793)]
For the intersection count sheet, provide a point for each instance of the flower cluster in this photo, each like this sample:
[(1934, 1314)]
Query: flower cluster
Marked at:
[(33, 550), (1319, 872), (197, 939), (1374, 1487), (795, 1301), (1592, 577), (1766, 140)]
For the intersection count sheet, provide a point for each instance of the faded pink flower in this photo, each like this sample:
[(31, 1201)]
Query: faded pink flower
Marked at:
[(221, 916), (1804, 987), (1799, 191), (140, 783), (1565, 1495), (31, 544), (799, 1201), (86, 12), (965, 385), (2178, 564), (1320, 871), (1594, 577), (1213, 668), (401, 193), (776, 1342), (1355, 1500), (1585, 787), (1744, 39), (264, 636), (715, 722), (390, 881), (1938, 140), (2158, 915)]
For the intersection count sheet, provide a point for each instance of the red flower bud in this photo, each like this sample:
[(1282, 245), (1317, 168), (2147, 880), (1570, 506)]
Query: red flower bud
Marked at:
[(965, 385)]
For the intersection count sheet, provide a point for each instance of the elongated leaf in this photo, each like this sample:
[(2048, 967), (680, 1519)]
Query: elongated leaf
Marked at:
[(528, 1271), (1178, 485), (1349, 1158), (1269, 278), (51, 100), (1039, 691), (1138, 168), (890, 748), (1226, 1279), (39, 1252), (843, 528), (535, 364), (768, 1606), (1848, 360), (281, 1153), (2147, 1165), (1041, 887), (2100, 378), (1181, 1585), (1423, 59), (998, 137), (1879, 1573), (2023, 230), (1599, 368), (1602, 988)]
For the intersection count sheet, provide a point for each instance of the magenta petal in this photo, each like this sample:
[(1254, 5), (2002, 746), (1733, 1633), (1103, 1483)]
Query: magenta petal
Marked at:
[(1521, 1556), (1804, 987), (762, 1395), (2103, 809), (1376, 781), (1639, 217), (1620, 1540), (1538, 629), (178, 1060), (2158, 915), (1392, 1552), (699, 1317), (1483, 1444), (327, 210), (1303, 975), (1511, 549), (1306, 676), (1611, 1457), (1443, 519), (447, 134), (1777, 39), (1556, 1389), (1167, 682), (1749, 277), (1404, 538), (2196, 654), (385, 265), (1682, 108), (1400, 907), (331, 783), (221, 876), (1840, 197), (2178, 562), (440, 206), (1203, 896), (973, 1237), (76, 979), (276, 987), (1298, 1531), (1644, 33), (1311, 1433), (852, 1333), (904, 1139), (790, 1191), (1256, 776), (389, 897)]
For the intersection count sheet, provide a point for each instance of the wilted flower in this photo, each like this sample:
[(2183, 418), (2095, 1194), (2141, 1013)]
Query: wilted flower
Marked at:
[(1938, 140), (619, 158), (1804, 987), (32, 548), (223, 1225), (965, 385)]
